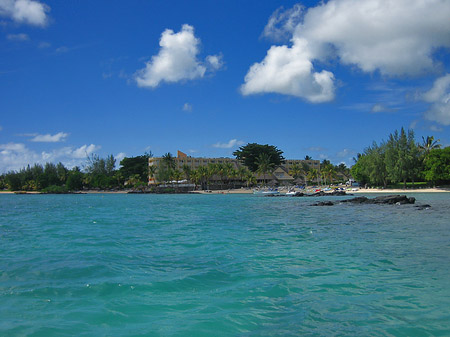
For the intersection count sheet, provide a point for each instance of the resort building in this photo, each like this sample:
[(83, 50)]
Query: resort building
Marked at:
[(279, 176)]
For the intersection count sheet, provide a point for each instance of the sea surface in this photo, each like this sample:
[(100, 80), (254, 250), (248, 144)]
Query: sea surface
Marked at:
[(222, 265)]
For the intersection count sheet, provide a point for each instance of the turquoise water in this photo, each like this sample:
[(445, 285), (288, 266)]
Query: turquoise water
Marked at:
[(222, 265)]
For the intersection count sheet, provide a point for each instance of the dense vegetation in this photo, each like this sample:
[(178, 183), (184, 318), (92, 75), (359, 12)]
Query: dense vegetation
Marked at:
[(252, 155), (400, 160), (98, 173)]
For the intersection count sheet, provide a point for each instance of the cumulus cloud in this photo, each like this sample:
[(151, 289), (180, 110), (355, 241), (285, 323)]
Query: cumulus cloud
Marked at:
[(84, 151), (396, 38), (30, 12), (289, 71), (48, 138), (316, 149), (119, 157), (439, 97), (232, 143), (214, 62), (345, 153), (18, 37), (187, 107), (14, 156), (177, 60), (283, 22)]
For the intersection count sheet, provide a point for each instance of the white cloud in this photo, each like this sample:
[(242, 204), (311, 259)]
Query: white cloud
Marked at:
[(435, 128), (232, 143), (289, 71), (187, 107), (393, 37), (215, 62), (177, 60), (316, 149), (84, 151), (47, 138), (18, 37), (439, 97), (61, 50), (30, 12), (282, 23), (119, 157), (345, 153), (44, 44)]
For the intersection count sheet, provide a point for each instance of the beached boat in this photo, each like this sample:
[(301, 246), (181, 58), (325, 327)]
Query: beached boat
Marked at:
[(266, 192)]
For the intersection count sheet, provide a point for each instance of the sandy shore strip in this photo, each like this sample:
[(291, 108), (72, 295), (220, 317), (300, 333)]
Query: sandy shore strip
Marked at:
[(358, 191), (282, 191)]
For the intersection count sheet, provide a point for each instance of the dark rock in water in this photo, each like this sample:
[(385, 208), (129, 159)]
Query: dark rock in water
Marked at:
[(385, 199), (422, 207), (394, 199), (357, 200), (299, 194), (338, 193), (388, 199), (382, 200), (323, 203), (317, 194)]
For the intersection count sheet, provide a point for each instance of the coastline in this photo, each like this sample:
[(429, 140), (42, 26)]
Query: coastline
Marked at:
[(359, 191), (250, 191)]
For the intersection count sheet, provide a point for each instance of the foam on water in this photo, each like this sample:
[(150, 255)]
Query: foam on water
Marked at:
[(221, 265)]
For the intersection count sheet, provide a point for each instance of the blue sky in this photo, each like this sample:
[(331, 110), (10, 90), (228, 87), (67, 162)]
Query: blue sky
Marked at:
[(323, 79)]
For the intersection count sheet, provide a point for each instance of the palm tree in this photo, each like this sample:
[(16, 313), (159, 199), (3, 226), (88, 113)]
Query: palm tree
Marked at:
[(242, 173), (230, 173), (250, 178), (264, 164), (328, 173), (177, 175), (152, 172), (427, 145), (296, 171), (203, 175), (343, 170), (305, 169), (169, 161), (187, 171), (313, 174)]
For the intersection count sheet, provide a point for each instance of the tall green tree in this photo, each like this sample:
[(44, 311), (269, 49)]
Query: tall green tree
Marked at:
[(437, 166), (250, 153), (402, 157), (74, 179), (131, 166)]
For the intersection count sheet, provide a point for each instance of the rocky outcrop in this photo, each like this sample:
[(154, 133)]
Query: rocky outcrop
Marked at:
[(381, 200), (323, 203), (322, 194), (385, 199)]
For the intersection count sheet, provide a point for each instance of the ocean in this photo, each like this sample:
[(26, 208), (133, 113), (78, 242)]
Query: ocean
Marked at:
[(222, 265)]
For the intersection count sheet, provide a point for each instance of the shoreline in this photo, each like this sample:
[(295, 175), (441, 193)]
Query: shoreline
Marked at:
[(250, 191), (359, 191)]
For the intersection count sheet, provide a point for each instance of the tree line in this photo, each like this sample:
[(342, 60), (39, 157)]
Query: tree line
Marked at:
[(401, 159), (97, 173), (100, 173)]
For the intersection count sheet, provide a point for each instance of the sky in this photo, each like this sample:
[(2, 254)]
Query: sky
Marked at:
[(317, 78)]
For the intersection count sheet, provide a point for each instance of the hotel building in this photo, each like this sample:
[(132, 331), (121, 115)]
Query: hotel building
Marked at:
[(280, 174)]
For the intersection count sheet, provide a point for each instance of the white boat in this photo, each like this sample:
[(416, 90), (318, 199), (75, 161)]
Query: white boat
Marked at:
[(266, 192)]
